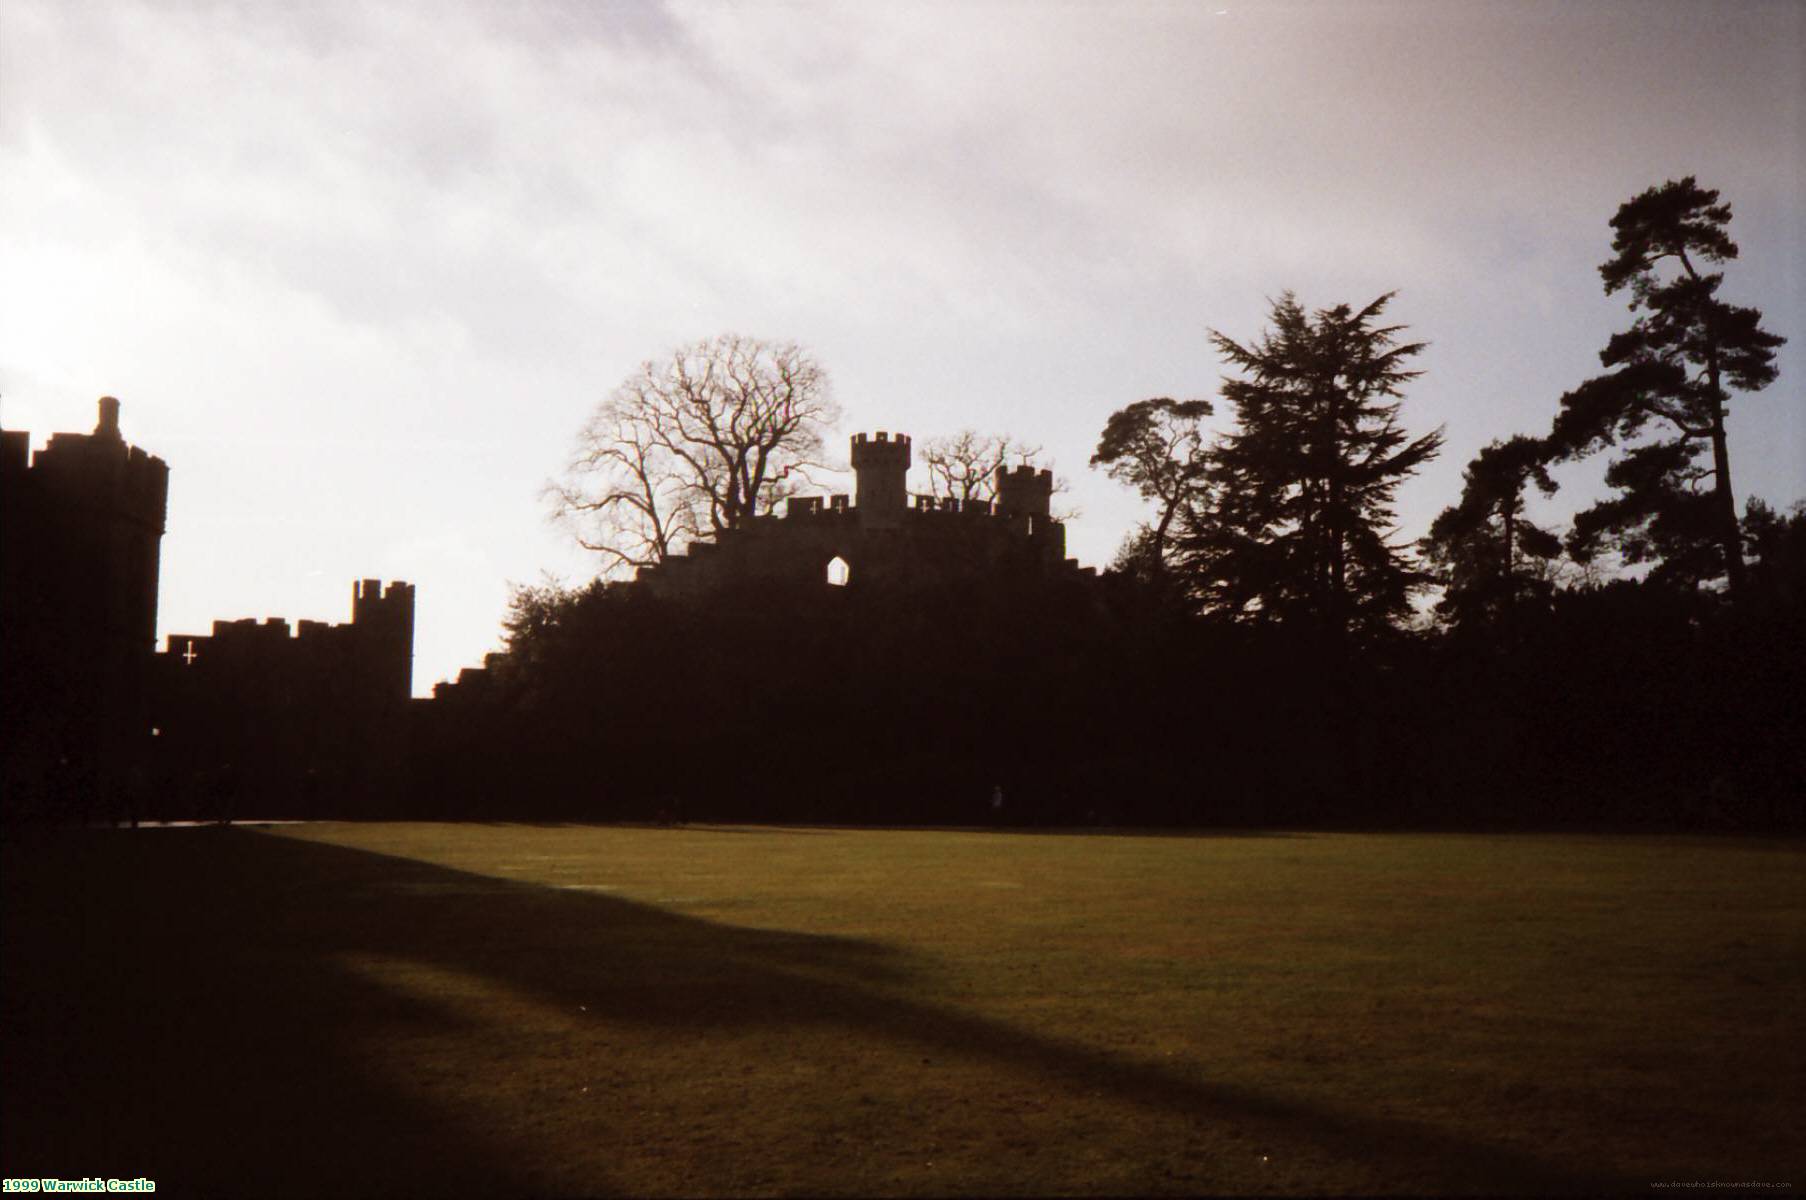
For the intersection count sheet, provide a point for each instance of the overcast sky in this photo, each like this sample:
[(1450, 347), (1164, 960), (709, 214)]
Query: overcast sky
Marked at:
[(358, 271)]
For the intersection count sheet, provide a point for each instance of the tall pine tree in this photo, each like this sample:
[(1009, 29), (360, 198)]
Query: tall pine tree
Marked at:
[(1674, 368)]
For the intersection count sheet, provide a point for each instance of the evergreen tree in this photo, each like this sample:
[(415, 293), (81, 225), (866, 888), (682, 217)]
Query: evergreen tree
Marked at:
[(1776, 543), (1299, 526), (1492, 559), (1674, 367)]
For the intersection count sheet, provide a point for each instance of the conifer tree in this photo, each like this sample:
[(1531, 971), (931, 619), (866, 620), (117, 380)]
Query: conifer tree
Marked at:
[(1300, 529), (1488, 553), (1674, 369)]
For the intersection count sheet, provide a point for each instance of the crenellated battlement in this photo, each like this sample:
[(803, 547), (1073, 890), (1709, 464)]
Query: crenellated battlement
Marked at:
[(84, 518), (881, 469), (836, 506), (944, 505), (886, 538), (376, 646), (880, 447), (1024, 492), (98, 471), (373, 603)]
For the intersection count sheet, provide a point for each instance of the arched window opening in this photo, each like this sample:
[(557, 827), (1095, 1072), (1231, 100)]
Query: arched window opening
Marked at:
[(839, 572)]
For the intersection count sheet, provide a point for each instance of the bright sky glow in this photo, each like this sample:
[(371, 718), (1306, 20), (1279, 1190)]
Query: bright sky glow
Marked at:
[(358, 271)]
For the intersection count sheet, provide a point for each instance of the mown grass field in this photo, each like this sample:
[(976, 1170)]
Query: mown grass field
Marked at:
[(505, 1009)]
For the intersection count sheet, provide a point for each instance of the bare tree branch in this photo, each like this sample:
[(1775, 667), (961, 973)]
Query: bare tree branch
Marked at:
[(964, 466), (692, 445)]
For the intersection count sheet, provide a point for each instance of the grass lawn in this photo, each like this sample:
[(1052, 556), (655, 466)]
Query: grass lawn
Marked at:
[(508, 1009)]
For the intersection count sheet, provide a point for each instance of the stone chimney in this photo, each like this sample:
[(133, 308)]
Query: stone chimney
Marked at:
[(109, 419)]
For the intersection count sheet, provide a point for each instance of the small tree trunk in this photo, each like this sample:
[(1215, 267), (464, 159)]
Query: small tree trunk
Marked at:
[(1511, 577), (1730, 535)]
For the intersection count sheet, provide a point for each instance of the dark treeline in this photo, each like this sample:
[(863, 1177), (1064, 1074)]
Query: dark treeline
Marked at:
[(772, 702), (1624, 706), (1262, 652)]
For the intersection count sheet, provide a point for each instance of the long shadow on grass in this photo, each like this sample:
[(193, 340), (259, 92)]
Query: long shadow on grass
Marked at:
[(178, 1005), (170, 1010)]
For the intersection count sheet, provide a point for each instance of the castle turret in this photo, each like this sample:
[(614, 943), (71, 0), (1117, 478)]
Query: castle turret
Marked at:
[(384, 621), (108, 426), (1024, 492), (880, 465), (80, 543)]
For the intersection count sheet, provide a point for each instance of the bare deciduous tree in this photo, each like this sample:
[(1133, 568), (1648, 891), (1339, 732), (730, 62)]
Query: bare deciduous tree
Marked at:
[(691, 445), (964, 466)]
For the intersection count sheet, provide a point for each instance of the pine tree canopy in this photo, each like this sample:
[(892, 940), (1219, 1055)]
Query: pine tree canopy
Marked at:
[(1304, 511), (1491, 557), (1668, 382)]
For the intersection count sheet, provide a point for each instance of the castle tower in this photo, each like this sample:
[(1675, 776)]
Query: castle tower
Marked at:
[(89, 511), (78, 605), (1024, 492), (384, 624), (880, 465)]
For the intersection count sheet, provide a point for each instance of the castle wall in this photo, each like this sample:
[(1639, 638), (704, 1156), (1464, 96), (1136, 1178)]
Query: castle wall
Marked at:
[(92, 713), (308, 721), (884, 539)]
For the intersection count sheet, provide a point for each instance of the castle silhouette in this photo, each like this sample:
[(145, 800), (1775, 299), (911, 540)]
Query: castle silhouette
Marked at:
[(261, 718), (78, 612), (881, 536), (100, 725), (311, 722)]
